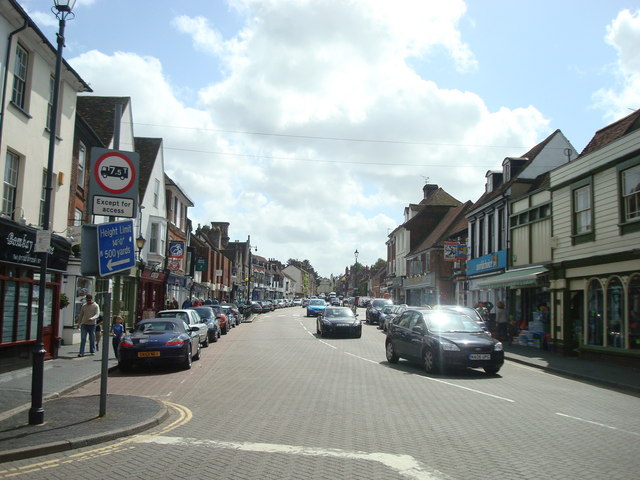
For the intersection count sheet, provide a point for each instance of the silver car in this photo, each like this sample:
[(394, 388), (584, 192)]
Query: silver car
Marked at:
[(192, 319)]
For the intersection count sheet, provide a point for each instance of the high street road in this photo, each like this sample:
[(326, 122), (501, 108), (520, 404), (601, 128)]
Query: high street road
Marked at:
[(272, 400)]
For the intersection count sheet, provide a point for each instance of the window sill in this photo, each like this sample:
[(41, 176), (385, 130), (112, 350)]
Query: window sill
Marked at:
[(20, 109), (583, 238), (629, 227)]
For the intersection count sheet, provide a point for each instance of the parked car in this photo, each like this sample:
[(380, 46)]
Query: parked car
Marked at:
[(256, 307), (315, 307), (192, 319), (388, 313), (374, 309), (232, 310), (472, 312), (338, 320), (442, 338), (209, 317), (334, 301), (297, 302), (267, 306), (160, 340)]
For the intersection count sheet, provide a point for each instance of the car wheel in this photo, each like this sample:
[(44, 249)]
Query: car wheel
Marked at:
[(205, 344), (187, 362), (197, 355), (391, 353), (491, 370), (317, 328), (125, 366), (224, 330), (358, 334), (431, 364), (213, 337)]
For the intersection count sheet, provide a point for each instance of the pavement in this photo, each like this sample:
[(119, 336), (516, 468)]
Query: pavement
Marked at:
[(74, 421)]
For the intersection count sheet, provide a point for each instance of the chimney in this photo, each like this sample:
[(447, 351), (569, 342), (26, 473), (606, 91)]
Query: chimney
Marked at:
[(429, 189)]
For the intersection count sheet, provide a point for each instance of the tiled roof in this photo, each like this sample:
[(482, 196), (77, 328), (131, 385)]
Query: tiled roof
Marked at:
[(99, 113), (453, 222), (148, 149), (612, 132)]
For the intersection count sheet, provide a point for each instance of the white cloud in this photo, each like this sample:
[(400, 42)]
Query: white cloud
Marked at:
[(351, 129), (623, 34)]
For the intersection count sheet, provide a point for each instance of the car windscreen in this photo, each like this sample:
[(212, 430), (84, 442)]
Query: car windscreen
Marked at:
[(446, 322), (338, 312), (151, 327), (181, 315), (317, 302), (379, 303), (204, 312)]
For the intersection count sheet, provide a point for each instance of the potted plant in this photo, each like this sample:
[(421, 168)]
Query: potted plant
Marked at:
[(75, 249), (64, 300)]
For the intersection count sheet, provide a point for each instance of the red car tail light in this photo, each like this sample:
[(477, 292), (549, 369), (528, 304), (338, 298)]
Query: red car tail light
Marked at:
[(126, 342), (175, 341)]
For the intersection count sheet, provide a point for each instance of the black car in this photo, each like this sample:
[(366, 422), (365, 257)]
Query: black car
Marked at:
[(374, 309), (159, 340), (442, 338), (208, 316), (338, 320)]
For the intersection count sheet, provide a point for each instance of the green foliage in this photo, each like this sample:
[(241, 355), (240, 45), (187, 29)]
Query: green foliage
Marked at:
[(64, 300)]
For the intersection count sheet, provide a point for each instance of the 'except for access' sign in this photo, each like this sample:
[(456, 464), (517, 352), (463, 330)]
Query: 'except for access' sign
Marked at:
[(115, 247), (113, 206)]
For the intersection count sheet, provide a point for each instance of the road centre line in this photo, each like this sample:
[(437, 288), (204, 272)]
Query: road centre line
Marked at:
[(610, 427), (405, 465)]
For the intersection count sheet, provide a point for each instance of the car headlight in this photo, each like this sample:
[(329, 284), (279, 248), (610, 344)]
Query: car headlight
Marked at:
[(450, 347), (498, 347)]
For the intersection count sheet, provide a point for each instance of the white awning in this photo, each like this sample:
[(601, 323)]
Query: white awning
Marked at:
[(523, 277)]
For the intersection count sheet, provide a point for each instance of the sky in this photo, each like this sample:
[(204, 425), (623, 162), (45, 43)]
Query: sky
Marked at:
[(311, 124)]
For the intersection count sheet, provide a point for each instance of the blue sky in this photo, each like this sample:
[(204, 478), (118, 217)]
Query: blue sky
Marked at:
[(311, 124)]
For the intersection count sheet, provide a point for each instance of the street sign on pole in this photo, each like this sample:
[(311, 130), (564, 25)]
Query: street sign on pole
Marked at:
[(115, 247), (113, 184)]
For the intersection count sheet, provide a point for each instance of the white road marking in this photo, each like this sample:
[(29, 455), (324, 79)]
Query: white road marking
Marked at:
[(405, 465), (597, 424), (497, 397)]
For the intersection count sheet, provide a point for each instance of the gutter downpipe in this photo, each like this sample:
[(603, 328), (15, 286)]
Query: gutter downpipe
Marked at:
[(6, 74)]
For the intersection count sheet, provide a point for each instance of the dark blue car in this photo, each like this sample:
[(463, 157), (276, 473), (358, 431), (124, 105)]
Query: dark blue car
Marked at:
[(159, 341)]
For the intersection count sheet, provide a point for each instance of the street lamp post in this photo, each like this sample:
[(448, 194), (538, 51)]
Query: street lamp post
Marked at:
[(62, 10)]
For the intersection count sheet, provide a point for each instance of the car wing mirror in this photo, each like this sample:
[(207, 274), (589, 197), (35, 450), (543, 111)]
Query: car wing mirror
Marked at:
[(418, 329)]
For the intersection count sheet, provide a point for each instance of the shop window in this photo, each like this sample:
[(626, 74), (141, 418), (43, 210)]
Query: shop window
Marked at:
[(634, 312), (595, 313), (615, 313)]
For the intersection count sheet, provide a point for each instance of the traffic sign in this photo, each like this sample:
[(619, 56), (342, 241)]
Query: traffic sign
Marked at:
[(113, 184), (115, 247)]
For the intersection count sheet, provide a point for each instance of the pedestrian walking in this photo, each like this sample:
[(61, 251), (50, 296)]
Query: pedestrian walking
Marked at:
[(501, 321), (117, 330), (89, 313), (98, 331)]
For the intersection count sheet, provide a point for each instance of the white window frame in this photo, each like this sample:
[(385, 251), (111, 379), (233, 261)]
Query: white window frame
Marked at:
[(20, 78), (82, 165), (631, 193), (10, 184), (582, 210)]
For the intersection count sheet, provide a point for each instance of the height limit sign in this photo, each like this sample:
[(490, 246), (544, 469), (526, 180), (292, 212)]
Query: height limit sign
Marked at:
[(113, 185)]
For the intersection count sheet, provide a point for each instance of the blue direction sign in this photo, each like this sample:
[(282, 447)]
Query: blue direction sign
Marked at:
[(115, 247)]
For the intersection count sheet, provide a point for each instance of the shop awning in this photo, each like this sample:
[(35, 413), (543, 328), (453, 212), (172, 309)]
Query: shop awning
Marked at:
[(523, 277)]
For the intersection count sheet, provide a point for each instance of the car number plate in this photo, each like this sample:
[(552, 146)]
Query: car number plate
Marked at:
[(148, 354), (479, 356), (344, 324)]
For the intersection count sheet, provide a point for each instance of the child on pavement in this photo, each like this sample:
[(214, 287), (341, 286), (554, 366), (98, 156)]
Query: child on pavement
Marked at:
[(117, 330)]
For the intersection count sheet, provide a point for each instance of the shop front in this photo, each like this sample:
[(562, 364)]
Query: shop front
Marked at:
[(599, 308), (150, 293), (420, 290), (19, 292)]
